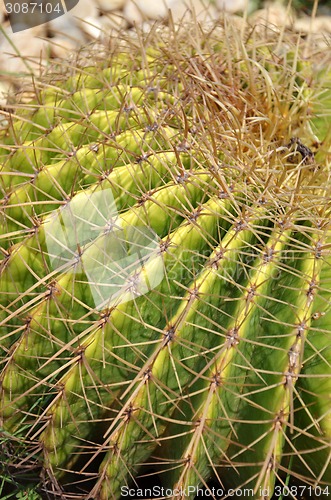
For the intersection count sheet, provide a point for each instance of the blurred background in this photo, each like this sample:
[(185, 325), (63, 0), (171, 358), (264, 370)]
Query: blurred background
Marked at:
[(30, 41)]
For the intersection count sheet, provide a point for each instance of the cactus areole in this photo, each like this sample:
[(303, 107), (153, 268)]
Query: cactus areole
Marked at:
[(165, 301)]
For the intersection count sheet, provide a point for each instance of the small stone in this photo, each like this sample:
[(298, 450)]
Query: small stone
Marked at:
[(72, 25), (110, 5), (185, 9), (60, 47), (85, 8), (67, 27), (273, 15), (132, 14), (321, 24), (24, 54), (92, 27), (232, 5), (137, 11), (113, 21)]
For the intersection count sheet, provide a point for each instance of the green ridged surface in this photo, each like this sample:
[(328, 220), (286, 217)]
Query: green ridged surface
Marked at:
[(165, 281)]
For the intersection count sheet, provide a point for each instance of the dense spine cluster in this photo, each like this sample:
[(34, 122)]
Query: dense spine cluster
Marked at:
[(165, 274)]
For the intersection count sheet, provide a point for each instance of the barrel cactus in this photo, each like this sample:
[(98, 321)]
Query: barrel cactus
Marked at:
[(166, 271)]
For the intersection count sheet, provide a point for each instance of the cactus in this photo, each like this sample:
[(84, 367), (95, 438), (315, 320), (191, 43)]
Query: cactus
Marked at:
[(165, 275)]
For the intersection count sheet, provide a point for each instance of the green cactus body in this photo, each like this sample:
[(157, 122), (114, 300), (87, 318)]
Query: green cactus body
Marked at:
[(165, 276)]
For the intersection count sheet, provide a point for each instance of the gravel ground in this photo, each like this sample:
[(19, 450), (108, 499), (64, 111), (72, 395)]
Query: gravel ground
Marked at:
[(27, 51)]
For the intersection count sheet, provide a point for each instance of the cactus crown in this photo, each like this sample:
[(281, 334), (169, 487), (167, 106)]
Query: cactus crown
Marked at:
[(165, 274)]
